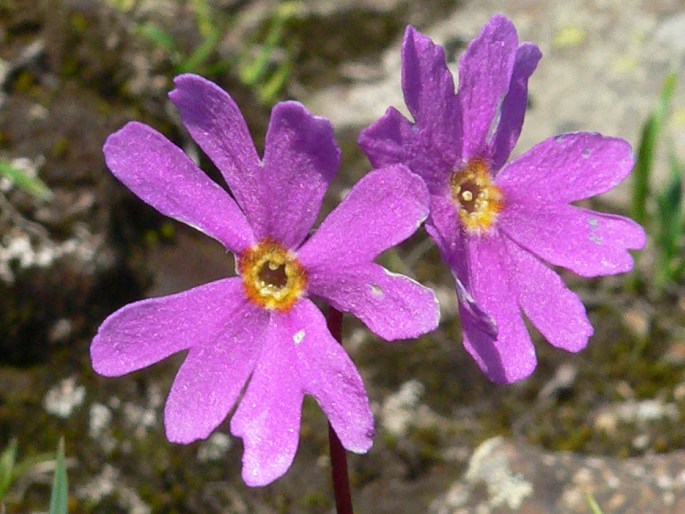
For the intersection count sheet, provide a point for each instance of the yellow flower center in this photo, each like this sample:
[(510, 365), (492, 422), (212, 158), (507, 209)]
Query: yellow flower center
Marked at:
[(477, 199), (272, 276)]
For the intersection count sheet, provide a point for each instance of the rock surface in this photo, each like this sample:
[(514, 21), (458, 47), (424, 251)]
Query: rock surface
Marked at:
[(504, 476)]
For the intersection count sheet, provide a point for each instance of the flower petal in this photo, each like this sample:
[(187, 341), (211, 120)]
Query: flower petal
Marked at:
[(569, 167), (471, 314), (160, 174), (444, 227), (586, 242), (554, 309), (429, 93), (268, 417), (485, 73), (330, 376), (388, 140), (511, 356), (213, 375), (382, 209), (393, 139), (300, 160), (514, 105), (216, 124), (392, 306), (148, 331)]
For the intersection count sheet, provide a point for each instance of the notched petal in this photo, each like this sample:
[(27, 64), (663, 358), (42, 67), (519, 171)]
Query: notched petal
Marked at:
[(392, 306), (382, 209)]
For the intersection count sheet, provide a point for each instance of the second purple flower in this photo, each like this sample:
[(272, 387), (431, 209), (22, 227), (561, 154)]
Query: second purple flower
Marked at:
[(496, 222)]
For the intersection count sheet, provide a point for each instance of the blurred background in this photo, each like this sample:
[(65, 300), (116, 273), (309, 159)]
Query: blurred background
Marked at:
[(601, 429)]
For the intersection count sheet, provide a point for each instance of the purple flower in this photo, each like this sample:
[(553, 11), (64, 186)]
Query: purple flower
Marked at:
[(496, 222), (261, 328)]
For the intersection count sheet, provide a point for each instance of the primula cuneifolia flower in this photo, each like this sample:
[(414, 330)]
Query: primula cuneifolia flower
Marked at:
[(261, 328), (495, 222)]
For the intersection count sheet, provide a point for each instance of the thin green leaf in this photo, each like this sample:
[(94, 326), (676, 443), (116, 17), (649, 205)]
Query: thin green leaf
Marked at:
[(33, 186), (270, 89), (203, 18), (594, 506), (669, 225), (254, 70), (201, 53), (669, 208), (666, 96), (158, 37), (643, 170), (216, 68), (23, 466), (647, 149), (60, 487), (7, 461)]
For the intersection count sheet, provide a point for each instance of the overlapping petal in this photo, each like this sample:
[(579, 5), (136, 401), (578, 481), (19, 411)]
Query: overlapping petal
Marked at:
[(389, 140), (148, 331), (281, 196), (510, 356), (485, 72), (513, 108), (443, 226), (392, 306), (586, 242), (268, 416), (161, 175), (216, 124), (300, 160), (328, 374), (393, 139), (302, 358), (429, 93), (384, 208), (569, 167), (213, 375), (554, 309)]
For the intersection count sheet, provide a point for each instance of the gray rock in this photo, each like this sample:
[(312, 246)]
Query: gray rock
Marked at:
[(506, 476)]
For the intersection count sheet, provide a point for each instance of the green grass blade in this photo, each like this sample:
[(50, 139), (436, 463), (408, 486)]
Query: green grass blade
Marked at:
[(671, 205), (7, 461), (666, 96), (60, 487), (268, 92), (254, 70), (24, 466), (203, 18), (158, 37), (33, 186), (669, 225), (647, 149), (201, 54), (643, 170), (594, 506)]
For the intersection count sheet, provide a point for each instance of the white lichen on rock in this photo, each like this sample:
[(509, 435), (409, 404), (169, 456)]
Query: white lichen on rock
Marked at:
[(214, 448), (109, 482), (399, 409), (20, 250), (62, 399), (99, 427), (489, 465)]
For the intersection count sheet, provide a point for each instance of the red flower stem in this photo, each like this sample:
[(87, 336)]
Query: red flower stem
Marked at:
[(341, 480)]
